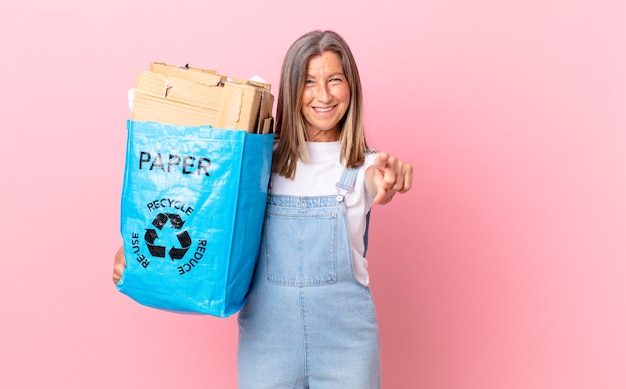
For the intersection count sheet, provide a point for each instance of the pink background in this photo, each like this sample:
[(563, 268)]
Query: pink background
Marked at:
[(503, 268)]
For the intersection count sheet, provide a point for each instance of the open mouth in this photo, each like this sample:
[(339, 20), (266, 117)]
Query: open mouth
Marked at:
[(323, 109)]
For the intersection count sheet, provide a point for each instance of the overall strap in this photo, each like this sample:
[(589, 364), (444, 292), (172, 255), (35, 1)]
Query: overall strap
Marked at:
[(346, 182), (348, 177), (345, 186)]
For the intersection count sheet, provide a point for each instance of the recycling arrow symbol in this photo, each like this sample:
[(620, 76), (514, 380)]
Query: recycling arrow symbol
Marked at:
[(176, 223)]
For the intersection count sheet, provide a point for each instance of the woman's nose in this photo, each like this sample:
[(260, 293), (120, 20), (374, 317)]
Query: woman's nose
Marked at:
[(323, 92)]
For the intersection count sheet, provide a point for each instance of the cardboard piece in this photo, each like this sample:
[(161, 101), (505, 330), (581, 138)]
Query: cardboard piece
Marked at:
[(194, 97)]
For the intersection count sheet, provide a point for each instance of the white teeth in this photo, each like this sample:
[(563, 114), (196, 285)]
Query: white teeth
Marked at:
[(323, 109)]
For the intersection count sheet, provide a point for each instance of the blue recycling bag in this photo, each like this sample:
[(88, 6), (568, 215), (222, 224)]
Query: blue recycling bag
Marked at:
[(192, 209)]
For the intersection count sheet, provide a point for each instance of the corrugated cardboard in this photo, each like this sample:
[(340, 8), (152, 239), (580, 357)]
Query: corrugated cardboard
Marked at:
[(187, 72), (192, 96)]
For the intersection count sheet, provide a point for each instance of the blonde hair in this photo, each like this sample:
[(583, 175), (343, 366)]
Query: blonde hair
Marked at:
[(290, 128)]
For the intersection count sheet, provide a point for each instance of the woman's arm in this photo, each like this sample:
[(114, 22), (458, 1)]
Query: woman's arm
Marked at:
[(119, 265)]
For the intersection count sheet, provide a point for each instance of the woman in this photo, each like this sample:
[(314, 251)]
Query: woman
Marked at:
[(309, 320)]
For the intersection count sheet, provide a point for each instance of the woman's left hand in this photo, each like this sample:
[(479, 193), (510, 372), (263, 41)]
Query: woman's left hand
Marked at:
[(387, 176)]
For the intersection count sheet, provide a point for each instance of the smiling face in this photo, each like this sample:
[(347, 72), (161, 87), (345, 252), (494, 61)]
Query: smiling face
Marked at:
[(325, 97)]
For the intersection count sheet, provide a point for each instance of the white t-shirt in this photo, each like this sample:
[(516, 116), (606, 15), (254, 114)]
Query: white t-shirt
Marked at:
[(318, 177)]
